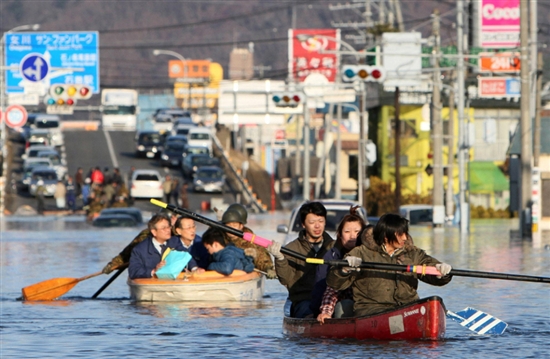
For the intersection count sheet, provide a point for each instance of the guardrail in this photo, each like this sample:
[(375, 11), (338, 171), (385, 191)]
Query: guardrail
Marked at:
[(241, 183)]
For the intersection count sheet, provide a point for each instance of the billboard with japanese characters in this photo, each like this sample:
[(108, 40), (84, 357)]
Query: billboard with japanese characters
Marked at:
[(37, 60), (498, 23), (309, 52)]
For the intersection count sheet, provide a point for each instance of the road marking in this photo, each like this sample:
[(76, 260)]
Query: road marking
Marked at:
[(111, 149)]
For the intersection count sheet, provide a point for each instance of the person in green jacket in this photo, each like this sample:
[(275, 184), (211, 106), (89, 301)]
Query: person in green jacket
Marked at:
[(375, 291)]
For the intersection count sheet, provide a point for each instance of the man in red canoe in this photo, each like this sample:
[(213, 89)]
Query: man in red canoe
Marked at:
[(295, 274), (375, 291)]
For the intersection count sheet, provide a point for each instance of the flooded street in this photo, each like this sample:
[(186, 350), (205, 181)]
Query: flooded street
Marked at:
[(36, 249)]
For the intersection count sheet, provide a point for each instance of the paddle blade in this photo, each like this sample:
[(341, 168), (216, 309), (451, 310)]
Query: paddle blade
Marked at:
[(49, 289), (478, 321)]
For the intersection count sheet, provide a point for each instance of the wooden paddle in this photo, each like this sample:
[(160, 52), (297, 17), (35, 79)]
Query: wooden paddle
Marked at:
[(53, 288), (423, 270)]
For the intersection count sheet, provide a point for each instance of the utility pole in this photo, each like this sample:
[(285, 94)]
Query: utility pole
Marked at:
[(462, 150), (361, 160), (306, 151), (397, 151), (437, 130), (525, 120), (338, 181), (451, 154)]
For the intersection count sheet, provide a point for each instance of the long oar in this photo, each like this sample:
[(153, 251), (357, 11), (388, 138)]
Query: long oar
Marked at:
[(111, 280), (53, 288), (423, 270)]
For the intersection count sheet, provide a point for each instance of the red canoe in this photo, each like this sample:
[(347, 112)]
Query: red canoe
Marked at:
[(423, 319)]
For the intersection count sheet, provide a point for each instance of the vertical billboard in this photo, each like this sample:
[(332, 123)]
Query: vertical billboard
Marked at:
[(499, 23), (307, 53)]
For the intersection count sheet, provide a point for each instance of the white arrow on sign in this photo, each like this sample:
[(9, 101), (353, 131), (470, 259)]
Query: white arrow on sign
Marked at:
[(35, 72)]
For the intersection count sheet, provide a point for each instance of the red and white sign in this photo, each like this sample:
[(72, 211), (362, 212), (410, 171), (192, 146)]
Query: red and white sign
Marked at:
[(307, 52), (499, 23), (499, 61), (15, 116), (498, 87)]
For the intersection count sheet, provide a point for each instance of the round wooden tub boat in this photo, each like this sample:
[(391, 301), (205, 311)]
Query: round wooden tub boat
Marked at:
[(423, 319), (207, 286)]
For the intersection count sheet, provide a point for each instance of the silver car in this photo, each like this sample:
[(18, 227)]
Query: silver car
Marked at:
[(336, 210), (48, 176), (209, 179)]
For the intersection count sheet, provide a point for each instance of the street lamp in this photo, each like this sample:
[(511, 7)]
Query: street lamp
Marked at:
[(4, 137), (157, 52)]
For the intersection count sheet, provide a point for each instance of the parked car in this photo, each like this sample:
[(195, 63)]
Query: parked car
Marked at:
[(177, 139), (51, 123), (173, 112), (58, 163), (162, 123), (33, 151), (182, 125), (209, 179), (195, 150), (129, 211), (192, 162), (29, 165), (114, 220), (200, 136), (336, 210), (149, 144), (172, 154), (417, 213), (48, 175), (39, 136), (146, 184)]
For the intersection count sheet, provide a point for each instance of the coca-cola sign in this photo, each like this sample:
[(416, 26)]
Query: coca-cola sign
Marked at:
[(499, 23)]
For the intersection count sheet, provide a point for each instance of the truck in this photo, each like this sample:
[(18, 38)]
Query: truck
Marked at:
[(120, 109)]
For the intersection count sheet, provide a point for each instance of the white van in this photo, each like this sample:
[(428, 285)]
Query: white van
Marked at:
[(53, 125), (200, 136)]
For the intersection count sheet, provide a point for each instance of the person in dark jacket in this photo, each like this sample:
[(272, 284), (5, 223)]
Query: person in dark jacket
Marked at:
[(124, 256), (348, 236), (146, 257), (295, 274), (225, 258), (375, 291), (186, 229)]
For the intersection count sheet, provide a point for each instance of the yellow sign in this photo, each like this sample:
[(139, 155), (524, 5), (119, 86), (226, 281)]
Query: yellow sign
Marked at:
[(201, 95)]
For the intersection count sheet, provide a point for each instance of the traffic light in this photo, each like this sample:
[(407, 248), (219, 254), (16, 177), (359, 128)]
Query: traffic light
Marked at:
[(287, 99), (68, 94), (352, 73)]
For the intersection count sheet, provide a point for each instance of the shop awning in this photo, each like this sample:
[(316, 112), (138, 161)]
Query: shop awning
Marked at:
[(486, 177)]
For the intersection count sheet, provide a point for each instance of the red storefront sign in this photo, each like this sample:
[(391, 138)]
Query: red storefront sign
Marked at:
[(307, 52)]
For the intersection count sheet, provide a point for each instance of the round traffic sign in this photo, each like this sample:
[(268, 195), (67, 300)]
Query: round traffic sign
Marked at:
[(34, 67), (15, 116), (315, 85)]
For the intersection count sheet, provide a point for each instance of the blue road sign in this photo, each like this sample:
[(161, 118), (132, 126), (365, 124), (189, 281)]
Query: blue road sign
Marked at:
[(34, 67), (69, 57)]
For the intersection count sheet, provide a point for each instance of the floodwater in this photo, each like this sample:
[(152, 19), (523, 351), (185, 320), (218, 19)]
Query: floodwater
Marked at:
[(112, 326)]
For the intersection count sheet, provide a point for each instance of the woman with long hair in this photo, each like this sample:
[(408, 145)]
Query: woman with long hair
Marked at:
[(348, 236)]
